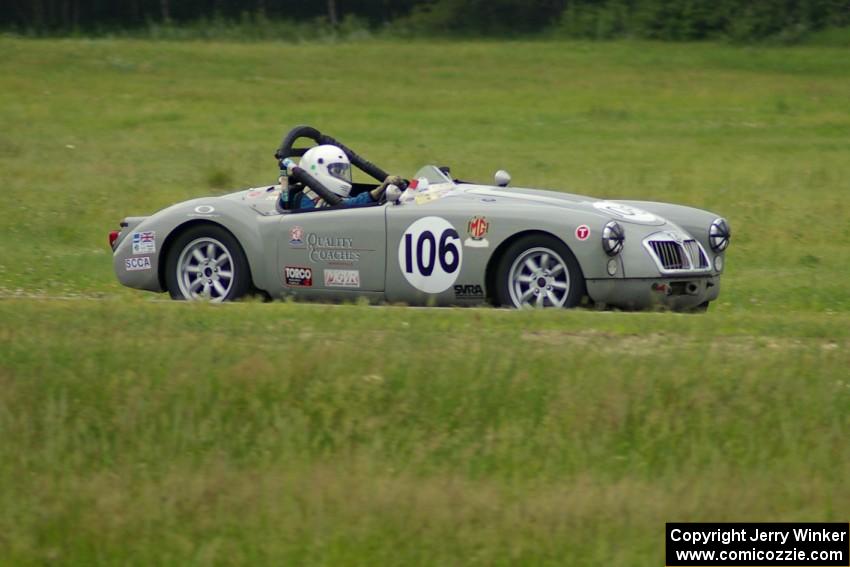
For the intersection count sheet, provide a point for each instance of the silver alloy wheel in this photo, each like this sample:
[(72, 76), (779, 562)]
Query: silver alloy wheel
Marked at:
[(205, 270), (539, 278)]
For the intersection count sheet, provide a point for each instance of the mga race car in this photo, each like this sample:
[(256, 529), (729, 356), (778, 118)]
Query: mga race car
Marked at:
[(441, 241)]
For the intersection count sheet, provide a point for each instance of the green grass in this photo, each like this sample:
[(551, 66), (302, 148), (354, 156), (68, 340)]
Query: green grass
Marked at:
[(181, 434), (136, 432)]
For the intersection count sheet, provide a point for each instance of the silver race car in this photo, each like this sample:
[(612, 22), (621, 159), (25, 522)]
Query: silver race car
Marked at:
[(434, 241)]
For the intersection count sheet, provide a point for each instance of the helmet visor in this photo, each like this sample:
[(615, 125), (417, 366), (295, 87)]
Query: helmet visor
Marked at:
[(340, 171)]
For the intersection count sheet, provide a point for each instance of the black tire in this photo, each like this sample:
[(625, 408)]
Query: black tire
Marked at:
[(235, 264), (528, 246)]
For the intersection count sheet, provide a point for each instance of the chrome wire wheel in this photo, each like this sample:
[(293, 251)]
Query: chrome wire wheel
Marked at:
[(539, 278), (205, 270)]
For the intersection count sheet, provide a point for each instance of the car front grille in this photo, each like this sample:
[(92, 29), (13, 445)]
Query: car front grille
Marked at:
[(695, 254), (669, 253), (677, 256)]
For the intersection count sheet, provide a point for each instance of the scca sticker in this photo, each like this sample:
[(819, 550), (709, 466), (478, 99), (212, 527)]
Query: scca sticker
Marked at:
[(430, 254), (296, 276), (136, 264)]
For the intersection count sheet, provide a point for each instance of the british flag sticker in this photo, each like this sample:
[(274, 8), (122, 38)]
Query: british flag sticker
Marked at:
[(144, 242)]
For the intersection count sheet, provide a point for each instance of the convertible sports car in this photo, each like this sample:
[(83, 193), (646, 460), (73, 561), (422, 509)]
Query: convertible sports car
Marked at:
[(441, 241)]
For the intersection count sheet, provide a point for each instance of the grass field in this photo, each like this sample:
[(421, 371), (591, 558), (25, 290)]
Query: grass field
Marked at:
[(138, 432)]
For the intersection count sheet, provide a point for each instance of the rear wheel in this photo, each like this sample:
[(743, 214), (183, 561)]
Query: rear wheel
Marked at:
[(206, 263), (539, 271)]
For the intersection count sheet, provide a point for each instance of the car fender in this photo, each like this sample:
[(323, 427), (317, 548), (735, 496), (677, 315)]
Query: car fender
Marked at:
[(253, 231)]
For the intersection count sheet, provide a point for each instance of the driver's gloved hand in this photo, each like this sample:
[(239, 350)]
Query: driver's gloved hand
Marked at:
[(394, 180), (379, 191)]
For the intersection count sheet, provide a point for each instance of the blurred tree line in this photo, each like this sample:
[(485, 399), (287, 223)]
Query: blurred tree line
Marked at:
[(600, 19)]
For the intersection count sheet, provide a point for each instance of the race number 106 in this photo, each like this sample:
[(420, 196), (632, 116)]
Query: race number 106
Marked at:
[(427, 252), (430, 254)]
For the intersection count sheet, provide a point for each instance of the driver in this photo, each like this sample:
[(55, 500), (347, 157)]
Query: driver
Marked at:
[(332, 168)]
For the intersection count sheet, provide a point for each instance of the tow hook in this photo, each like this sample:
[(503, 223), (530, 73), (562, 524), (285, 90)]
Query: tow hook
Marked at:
[(662, 288), (676, 288)]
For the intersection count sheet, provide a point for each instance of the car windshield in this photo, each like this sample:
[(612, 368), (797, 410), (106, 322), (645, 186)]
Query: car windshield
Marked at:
[(433, 175)]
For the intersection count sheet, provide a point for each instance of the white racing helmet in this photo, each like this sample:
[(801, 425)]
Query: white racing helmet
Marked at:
[(330, 166)]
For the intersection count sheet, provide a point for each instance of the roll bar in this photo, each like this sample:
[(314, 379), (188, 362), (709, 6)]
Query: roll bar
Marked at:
[(303, 176), (286, 150)]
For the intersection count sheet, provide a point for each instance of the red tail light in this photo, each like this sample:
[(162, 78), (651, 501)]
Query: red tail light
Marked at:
[(113, 236)]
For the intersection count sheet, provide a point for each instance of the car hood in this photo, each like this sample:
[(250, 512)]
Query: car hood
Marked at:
[(580, 203)]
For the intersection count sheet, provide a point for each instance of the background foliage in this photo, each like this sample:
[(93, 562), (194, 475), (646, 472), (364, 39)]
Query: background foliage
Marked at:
[(786, 20)]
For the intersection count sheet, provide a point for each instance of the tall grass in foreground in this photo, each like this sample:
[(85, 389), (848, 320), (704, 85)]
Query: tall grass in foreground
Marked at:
[(155, 433)]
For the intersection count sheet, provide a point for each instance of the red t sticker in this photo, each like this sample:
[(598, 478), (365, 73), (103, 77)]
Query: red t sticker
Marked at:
[(583, 232)]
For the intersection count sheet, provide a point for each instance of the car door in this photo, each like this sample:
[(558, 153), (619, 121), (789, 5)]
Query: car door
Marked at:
[(333, 251)]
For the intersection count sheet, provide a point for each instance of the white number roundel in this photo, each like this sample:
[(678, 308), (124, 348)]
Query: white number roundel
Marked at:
[(430, 254)]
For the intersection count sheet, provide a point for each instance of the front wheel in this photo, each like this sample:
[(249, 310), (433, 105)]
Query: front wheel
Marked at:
[(206, 263), (539, 271)]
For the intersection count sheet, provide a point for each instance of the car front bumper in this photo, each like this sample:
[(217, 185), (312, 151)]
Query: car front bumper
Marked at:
[(678, 293)]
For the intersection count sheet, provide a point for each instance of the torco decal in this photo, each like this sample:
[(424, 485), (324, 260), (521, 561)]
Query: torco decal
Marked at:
[(342, 278), (297, 276), (583, 232), (144, 242), (430, 254), (136, 264), (204, 209)]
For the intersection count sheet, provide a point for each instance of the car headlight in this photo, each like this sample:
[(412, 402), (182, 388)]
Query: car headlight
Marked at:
[(719, 235), (613, 237)]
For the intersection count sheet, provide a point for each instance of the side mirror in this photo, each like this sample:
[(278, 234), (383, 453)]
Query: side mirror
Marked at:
[(502, 178), (392, 194)]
